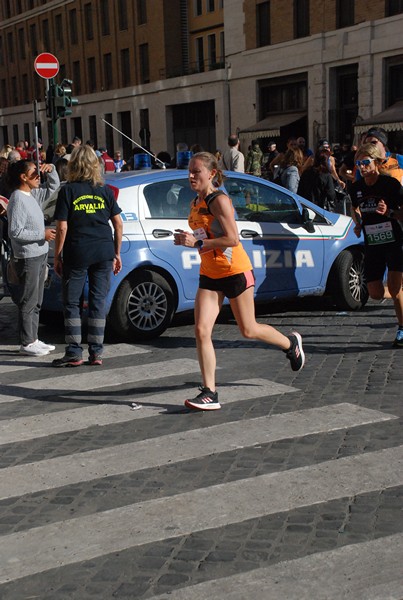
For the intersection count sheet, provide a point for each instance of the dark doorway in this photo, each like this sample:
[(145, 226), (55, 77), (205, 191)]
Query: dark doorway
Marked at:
[(126, 127), (343, 113), (194, 123)]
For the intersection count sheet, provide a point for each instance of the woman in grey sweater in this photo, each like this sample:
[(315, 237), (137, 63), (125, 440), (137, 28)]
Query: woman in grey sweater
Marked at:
[(29, 243)]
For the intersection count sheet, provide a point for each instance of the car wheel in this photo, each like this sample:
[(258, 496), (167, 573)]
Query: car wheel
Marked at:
[(347, 285), (143, 307)]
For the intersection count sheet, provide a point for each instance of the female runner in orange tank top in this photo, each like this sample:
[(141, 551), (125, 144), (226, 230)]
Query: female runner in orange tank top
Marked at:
[(225, 271)]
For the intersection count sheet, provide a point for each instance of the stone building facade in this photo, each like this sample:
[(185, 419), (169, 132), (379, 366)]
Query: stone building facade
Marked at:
[(195, 70)]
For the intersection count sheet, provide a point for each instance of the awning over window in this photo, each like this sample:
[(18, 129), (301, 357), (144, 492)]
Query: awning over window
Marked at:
[(390, 119), (270, 126)]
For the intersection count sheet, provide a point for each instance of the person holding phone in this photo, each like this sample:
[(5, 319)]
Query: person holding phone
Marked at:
[(30, 244)]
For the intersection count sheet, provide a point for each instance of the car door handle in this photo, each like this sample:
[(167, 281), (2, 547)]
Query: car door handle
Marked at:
[(249, 233), (161, 233)]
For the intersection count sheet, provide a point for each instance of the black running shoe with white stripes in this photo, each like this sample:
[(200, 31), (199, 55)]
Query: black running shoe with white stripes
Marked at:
[(295, 353), (206, 400)]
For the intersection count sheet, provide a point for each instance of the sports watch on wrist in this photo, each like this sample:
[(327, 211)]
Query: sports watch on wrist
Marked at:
[(199, 244)]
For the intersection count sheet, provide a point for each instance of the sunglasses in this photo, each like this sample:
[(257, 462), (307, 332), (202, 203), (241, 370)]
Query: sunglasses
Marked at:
[(34, 174), (365, 162)]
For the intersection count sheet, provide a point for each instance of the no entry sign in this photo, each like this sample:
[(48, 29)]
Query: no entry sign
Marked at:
[(46, 65)]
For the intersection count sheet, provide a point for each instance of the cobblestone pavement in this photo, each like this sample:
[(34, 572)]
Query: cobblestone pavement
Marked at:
[(293, 490)]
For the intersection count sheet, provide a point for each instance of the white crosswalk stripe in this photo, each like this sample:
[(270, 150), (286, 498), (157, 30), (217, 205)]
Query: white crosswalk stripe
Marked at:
[(60, 543), (79, 381), (85, 466), (17, 430), (355, 572), (24, 362), (145, 522)]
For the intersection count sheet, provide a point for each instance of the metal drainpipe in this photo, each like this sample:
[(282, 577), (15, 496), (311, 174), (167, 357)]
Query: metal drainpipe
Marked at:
[(184, 34)]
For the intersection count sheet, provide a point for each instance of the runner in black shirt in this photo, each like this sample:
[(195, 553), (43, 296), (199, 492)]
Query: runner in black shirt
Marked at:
[(376, 201)]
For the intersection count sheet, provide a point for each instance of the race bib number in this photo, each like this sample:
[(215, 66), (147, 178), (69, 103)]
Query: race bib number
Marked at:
[(379, 233), (200, 234)]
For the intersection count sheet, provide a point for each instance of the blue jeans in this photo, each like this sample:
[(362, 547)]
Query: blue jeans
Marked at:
[(74, 278)]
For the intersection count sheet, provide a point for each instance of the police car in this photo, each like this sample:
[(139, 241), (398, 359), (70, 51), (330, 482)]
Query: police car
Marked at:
[(296, 249)]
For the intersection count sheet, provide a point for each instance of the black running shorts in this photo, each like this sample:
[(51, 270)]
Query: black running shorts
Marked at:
[(231, 287), (380, 257)]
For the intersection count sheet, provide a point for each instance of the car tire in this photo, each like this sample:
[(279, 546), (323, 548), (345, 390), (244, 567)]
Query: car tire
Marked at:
[(346, 284), (143, 306)]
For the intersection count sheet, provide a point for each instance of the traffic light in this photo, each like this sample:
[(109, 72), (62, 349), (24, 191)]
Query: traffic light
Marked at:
[(69, 101), (58, 99), (59, 102)]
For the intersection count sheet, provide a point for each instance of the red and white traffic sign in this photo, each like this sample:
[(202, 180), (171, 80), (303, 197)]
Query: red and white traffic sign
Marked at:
[(46, 65)]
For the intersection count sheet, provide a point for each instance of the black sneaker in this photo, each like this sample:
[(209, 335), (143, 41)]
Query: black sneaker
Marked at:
[(95, 360), (68, 361), (295, 354), (206, 400)]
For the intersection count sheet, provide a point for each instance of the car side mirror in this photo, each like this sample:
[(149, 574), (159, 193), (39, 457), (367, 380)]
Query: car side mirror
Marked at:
[(307, 221)]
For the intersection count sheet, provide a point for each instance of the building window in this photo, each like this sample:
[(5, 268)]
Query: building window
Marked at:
[(393, 79), (122, 12), (282, 95), (199, 55), (32, 39), (212, 51), (73, 26), (63, 131), (1, 52), (92, 122), (344, 13), (125, 66), (108, 72), (198, 5), (16, 135), (77, 77), (7, 9), (30, 4), (222, 49), (109, 134), (89, 30), (62, 72), (21, 43), (144, 64), (141, 12), (92, 75), (14, 93), (19, 7), (393, 7), (210, 6), (59, 32), (301, 18), (105, 28), (45, 35), (25, 89), (3, 91), (10, 47), (263, 24), (26, 132)]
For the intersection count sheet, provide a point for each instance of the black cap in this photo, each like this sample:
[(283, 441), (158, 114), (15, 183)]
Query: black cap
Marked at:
[(379, 134)]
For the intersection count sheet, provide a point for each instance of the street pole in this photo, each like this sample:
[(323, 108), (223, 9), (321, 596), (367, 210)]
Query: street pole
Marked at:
[(51, 96), (36, 132)]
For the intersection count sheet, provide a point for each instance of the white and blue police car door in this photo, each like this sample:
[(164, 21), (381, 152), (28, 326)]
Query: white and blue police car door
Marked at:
[(286, 256)]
